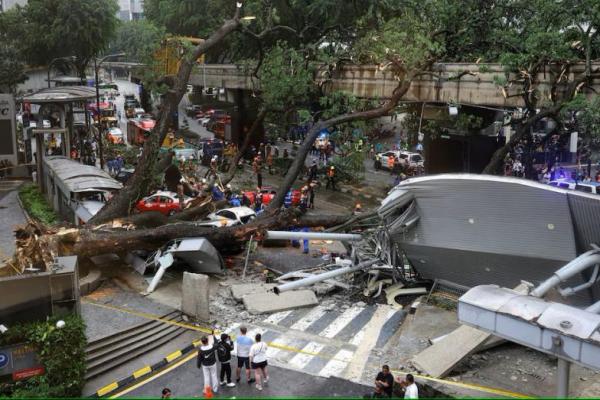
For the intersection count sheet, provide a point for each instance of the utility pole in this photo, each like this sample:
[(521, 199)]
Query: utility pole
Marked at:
[(100, 133)]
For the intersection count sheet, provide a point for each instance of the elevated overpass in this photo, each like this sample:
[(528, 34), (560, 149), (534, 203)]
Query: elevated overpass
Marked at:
[(460, 83)]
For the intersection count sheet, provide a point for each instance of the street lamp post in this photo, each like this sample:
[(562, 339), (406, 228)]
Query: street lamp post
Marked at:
[(96, 66)]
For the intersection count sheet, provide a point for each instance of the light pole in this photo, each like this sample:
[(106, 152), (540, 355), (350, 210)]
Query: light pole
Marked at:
[(96, 66), (55, 60)]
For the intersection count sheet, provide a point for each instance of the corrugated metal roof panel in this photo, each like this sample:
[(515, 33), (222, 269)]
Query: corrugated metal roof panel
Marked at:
[(492, 215), (585, 209), (79, 177)]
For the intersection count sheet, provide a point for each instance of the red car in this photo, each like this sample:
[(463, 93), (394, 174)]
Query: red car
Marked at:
[(165, 203), (268, 193)]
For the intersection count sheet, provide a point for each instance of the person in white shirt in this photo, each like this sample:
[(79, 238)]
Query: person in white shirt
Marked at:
[(410, 391), (258, 361)]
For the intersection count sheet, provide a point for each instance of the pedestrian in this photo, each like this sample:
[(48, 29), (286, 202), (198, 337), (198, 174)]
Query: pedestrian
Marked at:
[(385, 381), (304, 198), (166, 393), (331, 178), (244, 344), (390, 163), (224, 349), (411, 391), (207, 360), (256, 167), (270, 162), (258, 360), (311, 194), (312, 171)]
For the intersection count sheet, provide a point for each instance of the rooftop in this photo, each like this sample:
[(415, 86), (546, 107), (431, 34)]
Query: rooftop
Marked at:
[(61, 94), (78, 177)]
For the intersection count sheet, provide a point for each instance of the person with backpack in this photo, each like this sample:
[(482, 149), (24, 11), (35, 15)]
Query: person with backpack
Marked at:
[(207, 360), (224, 349), (258, 361)]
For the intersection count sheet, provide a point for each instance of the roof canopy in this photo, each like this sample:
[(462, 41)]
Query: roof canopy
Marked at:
[(61, 94), (79, 177)]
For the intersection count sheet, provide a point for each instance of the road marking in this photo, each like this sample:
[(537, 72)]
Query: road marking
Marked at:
[(312, 316), (276, 346), (149, 379), (107, 389), (173, 355), (300, 360), (340, 322), (141, 372), (341, 357), (371, 334), (358, 338), (336, 366), (277, 317)]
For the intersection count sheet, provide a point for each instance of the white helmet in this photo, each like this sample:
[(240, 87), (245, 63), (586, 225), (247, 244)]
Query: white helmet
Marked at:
[(203, 180), (228, 186)]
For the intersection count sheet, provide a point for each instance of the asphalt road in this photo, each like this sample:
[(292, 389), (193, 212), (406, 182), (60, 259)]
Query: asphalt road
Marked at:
[(186, 381)]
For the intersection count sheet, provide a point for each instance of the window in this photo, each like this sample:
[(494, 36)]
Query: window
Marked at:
[(247, 219), (226, 214), (584, 188), (564, 185), (165, 200)]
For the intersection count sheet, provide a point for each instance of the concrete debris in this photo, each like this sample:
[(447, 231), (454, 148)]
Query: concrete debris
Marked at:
[(241, 290), (398, 289), (440, 358), (260, 303), (195, 296)]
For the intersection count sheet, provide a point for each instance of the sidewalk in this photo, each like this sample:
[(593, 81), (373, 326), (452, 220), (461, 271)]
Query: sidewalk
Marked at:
[(10, 215)]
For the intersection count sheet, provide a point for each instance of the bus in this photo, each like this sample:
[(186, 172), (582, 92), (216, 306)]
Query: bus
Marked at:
[(138, 129)]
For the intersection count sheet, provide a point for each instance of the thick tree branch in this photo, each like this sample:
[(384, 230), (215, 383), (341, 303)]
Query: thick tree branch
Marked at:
[(250, 135), (139, 184), (313, 133)]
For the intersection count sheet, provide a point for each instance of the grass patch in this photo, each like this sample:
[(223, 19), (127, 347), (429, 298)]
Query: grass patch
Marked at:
[(36, 205)]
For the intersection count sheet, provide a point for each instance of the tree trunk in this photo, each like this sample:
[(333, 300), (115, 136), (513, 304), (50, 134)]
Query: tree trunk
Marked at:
[(495, 166), (90, 242), (139, 184), (242, 150), (313, 133)]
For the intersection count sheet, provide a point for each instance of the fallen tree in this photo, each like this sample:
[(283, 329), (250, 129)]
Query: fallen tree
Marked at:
[(138, 185), (38, 245)]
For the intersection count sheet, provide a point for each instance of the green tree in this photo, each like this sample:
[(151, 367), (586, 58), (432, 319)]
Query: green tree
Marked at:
[(61, 28), (540, 38), (11, 68), (11, 60), (138, 39)]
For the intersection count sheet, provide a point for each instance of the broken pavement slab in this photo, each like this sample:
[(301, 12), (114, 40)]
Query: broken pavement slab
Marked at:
[(441, 357), (240, 290), (195, 296), (269, 302)]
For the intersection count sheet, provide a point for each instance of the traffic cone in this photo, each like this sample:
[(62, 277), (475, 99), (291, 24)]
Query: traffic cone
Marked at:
[(208, 393)]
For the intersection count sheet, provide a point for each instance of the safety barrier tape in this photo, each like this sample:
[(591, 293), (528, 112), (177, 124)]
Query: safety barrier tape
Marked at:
[(179, 354)]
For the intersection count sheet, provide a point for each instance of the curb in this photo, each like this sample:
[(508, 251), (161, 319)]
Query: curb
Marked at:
[(90, 282), (144, 371)]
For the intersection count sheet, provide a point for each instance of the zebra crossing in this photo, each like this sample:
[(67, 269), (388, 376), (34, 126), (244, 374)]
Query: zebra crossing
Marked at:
[(327, 342)]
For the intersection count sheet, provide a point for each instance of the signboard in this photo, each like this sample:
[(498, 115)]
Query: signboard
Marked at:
[(18, 362), (8, 133)]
